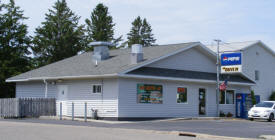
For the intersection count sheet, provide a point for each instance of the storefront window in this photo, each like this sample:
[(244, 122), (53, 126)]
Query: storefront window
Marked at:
[(222, 97), (147, 93), (227, 97), (182, 95)]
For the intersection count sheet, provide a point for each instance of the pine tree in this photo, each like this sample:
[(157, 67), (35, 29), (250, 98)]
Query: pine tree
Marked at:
[(60, 36), (135, 37), (100, 26), (146, 33), (14, 43), (141, 33)]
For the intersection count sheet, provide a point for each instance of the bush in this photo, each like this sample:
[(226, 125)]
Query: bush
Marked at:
[(229, 114), (272, 96), (222, 114)]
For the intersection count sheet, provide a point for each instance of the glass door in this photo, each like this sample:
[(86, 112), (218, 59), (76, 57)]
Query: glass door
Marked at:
[(202, 101)]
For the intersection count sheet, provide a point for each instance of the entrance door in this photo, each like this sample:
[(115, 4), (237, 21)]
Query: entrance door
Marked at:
[(202, 101), (62, 94)]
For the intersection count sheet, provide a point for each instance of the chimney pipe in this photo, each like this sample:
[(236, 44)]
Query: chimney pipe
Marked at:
[(101, 50), (136, 54)]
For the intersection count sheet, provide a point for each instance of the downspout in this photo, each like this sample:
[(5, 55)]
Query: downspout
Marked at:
[(46, 88)]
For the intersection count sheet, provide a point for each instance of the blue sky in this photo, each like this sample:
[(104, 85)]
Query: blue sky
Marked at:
[(177, 21)]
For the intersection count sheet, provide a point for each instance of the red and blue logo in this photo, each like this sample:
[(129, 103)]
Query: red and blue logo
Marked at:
[(231, 59)]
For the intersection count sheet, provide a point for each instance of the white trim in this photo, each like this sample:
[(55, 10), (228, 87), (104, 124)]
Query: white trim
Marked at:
[(164, 56), (180, 79), (64, 77)]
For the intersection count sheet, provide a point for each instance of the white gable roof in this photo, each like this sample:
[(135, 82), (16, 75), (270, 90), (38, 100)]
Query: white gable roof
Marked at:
[(239, 46)]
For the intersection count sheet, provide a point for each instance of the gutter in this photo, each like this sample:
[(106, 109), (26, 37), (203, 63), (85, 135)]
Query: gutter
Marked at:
[(64, 77), (181, 79), (131, 76)]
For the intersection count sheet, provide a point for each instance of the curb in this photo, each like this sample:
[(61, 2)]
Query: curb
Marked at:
[(121, 122), (200, 135), (82, 120), (268, 137)]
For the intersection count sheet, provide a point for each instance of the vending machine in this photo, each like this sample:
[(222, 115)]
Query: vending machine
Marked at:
[(244, 103)]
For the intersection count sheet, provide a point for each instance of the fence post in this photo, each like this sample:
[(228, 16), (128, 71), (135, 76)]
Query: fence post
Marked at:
[(72, 111), (60, 110), (85, 115)]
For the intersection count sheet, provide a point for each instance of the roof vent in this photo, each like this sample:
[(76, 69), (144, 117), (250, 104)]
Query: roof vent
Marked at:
[(101, 50), (136, 54)]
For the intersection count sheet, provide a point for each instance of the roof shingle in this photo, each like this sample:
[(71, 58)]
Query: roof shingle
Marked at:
[(83, 65)]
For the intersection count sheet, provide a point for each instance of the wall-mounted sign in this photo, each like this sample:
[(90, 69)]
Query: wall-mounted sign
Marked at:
[(231, 63), (231, 69), (228, 59), (147, 93)]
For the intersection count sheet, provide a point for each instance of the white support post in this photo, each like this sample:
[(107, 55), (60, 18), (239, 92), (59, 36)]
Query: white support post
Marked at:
[(46, 88), (60, 111), (72, 111), (85, 112)]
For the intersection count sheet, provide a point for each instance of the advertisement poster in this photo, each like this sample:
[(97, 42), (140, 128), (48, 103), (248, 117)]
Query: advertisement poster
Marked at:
[(147, 93)]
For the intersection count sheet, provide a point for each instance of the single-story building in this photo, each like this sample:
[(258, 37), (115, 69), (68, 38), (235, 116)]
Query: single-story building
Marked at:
[(177, 80)]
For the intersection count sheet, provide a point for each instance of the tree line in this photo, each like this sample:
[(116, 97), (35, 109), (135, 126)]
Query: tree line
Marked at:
[(59, 36)]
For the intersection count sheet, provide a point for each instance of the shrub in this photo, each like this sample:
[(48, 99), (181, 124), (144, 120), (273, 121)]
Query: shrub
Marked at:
[(222, 114), (229, 114), (272, 96)]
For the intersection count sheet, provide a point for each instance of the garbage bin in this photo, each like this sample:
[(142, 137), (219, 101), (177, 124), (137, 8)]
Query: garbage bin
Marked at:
[(94, 114)]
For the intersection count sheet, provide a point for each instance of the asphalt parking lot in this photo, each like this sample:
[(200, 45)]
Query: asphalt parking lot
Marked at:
[(231, 128)]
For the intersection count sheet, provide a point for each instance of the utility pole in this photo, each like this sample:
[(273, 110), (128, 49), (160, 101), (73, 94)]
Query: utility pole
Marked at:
[(218, 76)]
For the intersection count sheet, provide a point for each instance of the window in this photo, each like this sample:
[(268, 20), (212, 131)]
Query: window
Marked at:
[(182, 95), (257, 75), (227, 97), (96, 88), (230, 97), (222, 97), (149, 93)]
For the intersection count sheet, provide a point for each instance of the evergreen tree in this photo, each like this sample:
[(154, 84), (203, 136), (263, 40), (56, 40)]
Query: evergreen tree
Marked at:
[(146, 33), (135, 37), (59, 37), (100, 26), (14, 43), (141, 33)]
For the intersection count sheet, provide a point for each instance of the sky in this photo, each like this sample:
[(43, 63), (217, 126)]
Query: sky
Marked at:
[(176, 21)]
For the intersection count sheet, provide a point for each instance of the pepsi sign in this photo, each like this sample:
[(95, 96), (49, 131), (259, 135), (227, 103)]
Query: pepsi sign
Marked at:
[(228, 59)]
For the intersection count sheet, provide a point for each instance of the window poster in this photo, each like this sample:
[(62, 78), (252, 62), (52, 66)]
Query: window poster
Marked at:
[(147, 93)]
